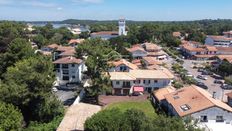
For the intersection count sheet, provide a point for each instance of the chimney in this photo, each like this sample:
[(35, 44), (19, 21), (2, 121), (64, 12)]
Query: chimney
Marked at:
[(214, 95)]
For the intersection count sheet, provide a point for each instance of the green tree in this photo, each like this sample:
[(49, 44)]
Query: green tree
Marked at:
[(225, 68), (10, 117), (9, 31), (84, 35), (18, 49), (40, 40), (29, 82)]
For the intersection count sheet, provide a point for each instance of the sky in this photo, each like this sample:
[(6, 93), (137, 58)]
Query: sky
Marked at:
[(140, 10)]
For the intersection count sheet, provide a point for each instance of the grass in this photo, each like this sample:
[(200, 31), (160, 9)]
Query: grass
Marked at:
[(144, 106)]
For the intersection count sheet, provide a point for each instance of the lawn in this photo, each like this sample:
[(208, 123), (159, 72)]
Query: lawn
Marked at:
[(144, 106)]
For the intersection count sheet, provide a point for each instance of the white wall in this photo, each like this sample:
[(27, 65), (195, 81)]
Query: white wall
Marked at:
[(72, 71), (212, 112), (117, 69), (160, 83)]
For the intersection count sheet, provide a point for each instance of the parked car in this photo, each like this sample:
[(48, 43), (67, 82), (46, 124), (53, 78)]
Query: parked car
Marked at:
[(202, 77), (216, 81), (205, 72), (200, 70), (217, 76), (54, 89), (202, 85), (226, 86)]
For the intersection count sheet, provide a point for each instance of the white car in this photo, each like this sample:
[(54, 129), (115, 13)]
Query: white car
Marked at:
[(202, 77), (54, 89)]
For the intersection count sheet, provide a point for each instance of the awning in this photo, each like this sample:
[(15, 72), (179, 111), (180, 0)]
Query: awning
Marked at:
[(138, 89)]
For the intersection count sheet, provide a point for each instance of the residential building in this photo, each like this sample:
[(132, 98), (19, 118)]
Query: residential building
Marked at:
[(106, 35), (156, 51), (137, 51), (224, 50), (197, 51), (223, 41), (63, 51), (122, 65), (69, 70), (195, 102), (125, 83), (75, 42), (151, 62)]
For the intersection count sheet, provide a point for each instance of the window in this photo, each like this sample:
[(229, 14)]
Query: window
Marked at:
[(176, 97), (203, 119), (65, 72), (65, 77), (155, 81), (117, 82), (73, 65), (149, 81), (64, 65), (144, 81), (73, 77), (185, 107), (219, 119)]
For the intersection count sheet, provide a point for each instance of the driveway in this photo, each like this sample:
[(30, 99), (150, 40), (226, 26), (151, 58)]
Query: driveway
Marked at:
[(76, 116), (212, 87), (66, 96)]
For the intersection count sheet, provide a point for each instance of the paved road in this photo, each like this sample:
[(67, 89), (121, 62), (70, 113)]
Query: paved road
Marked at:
[(66, 96), (209, 82)]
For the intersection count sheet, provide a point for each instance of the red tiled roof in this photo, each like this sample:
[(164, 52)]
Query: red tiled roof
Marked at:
[(124, 62), (219, 38), (68, 60), (53, 46), (135, 48), (77, 41), (176, 34), (225, 49)]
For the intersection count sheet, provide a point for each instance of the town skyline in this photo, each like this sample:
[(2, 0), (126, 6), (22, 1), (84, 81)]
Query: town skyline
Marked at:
[(138, 10)]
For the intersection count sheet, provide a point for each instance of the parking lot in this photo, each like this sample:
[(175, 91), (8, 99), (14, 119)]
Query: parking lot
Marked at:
[(212, 87)]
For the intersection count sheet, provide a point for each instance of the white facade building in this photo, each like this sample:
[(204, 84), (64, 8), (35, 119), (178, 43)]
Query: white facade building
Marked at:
[(195, 102), (123, 83), (69, 70)]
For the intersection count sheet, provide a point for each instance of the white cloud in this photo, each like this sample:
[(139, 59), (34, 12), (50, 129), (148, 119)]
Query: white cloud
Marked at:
[(88, 1), (34, 3), (59, 8), (37, 3)]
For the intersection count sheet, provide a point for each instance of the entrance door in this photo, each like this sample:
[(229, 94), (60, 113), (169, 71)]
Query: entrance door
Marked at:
[(149, 89), (117, 91), (126, 91)]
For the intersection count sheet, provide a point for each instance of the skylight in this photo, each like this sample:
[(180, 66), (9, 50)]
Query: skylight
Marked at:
[(185, 107)]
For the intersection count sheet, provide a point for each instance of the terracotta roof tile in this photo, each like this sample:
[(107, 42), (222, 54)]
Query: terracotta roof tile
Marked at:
[(68, 60), (196, 98)]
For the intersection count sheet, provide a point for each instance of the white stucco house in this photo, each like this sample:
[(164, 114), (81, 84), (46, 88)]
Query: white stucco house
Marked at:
[(125, 83), (223, 41), (137, 51), (121, 65), (69, 70), (195, 102)]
